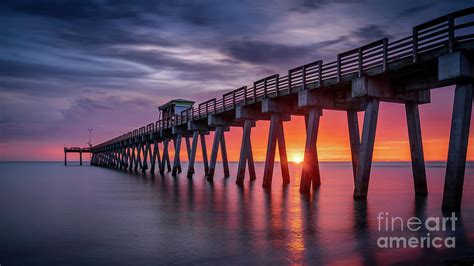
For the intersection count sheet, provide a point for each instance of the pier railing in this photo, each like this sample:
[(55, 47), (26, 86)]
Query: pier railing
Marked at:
[(445, 32)]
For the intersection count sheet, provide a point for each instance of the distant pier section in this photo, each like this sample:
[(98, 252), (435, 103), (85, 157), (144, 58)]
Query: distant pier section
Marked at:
[(75, 150)]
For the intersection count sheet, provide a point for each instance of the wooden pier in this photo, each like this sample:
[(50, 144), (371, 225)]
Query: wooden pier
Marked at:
[(439, 52)]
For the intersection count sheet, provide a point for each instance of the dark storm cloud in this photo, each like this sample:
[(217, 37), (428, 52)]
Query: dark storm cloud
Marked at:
[(370, 33), (411, 11), (274, 53), (310, 5), (37, 70), (64, 61)]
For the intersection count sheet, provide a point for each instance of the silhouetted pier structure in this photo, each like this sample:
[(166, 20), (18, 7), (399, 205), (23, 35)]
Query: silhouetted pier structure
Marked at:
[(76, 150), (438, 53)]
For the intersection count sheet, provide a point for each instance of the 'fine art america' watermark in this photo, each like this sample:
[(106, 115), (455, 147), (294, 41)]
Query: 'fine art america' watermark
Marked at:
[(393, 224)]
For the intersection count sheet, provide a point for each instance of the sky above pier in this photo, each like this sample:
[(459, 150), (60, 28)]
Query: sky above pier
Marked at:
[(66, 66)]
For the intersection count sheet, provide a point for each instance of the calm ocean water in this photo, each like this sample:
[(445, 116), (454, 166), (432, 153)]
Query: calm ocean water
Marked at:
[(57, 215)]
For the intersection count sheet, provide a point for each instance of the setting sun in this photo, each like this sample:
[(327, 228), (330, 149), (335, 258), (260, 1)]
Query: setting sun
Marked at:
[(297, 158)]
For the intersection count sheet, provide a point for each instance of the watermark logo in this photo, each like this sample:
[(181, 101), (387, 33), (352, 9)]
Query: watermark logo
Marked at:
[(391, 225)]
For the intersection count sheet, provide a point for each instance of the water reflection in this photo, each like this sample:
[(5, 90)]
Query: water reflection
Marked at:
[(299, 228), (180, 221)]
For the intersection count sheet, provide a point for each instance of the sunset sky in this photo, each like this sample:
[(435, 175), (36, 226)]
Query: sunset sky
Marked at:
[(66, 66)]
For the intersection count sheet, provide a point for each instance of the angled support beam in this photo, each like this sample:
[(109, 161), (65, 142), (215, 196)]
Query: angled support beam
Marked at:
[(354, 138), (119, 158), (275, 135), (155, 157), (111, 158), (125, 158), (225, 163), (138, 159), (458, 143), (127, 162), (150, 151), (188, 147), (285, 172), (416, 148), (176, 161), (245, 152), (145, 156), (132, 158), (271, 149), (251, 163), (215, 148), (366, 150), (204, 153), (310, 172), (165, 162), (193, 150)]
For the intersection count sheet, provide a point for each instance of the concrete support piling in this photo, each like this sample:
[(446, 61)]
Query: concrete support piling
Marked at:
[(176, 161), (204, 153), (246, 153), (165, 163), (215, 147), (138, 162), (354, 138), (251, 163), (132, 158), (310, 173), (416, 148), (225, 163), (154, 156), (146, 150), (275, 135), (271, 149), (192, 150), (285, 172), (458, 143), (366, 149), (188, 147)]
